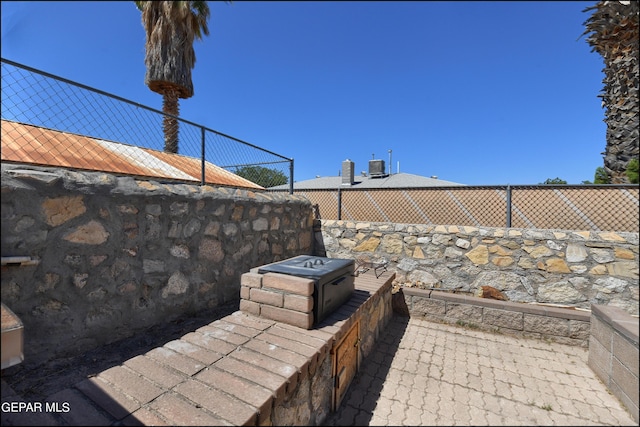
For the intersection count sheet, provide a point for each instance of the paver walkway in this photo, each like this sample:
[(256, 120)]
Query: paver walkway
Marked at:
[(432, 374), (429, 374)]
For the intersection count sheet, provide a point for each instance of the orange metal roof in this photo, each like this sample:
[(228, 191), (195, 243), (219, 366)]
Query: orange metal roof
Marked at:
[(23, 143)]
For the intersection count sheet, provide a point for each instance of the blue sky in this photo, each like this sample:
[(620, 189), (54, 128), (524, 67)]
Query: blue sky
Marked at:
[(478, 93)]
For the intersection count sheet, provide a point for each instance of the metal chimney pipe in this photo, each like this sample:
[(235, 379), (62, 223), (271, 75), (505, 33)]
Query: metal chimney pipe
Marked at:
[(390, 162)]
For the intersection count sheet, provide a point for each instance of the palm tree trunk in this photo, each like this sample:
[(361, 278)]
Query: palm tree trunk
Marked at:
[(613, 33), (170, 124)]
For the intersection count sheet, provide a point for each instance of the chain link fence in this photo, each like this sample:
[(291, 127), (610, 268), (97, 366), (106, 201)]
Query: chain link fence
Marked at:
[(561, 207), (36, 99), (51, 103)]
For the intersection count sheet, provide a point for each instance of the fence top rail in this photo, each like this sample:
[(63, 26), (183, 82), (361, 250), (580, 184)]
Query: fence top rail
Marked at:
[(473, 187)]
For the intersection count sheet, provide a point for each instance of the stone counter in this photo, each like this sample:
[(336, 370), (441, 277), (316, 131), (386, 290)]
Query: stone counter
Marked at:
[(237, 370)]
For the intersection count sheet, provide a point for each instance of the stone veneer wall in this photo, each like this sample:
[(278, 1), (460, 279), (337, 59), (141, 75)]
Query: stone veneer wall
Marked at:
[(564, 267), (114, 255)]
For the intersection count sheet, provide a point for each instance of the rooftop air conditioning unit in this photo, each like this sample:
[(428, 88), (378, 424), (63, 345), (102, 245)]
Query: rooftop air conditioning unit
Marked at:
[(376, 168)]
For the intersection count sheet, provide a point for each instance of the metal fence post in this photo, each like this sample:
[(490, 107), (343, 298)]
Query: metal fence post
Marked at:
[(203, 165), (339, 204), (508, 206), (291, 176)]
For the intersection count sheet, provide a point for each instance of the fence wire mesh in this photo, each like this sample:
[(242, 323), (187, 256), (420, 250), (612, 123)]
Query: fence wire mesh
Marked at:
[(95, 130), (562, 207)]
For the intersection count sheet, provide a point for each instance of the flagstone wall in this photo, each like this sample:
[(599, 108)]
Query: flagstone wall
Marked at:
[(561, 267), (89, 258)]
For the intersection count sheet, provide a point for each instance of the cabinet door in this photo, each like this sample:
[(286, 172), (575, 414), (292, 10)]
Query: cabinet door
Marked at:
[(345, 360)]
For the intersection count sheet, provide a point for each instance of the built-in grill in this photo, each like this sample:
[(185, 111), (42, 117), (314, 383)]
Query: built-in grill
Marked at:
[(333, 280)]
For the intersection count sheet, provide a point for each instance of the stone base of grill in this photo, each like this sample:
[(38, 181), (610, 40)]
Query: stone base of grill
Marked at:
[(280, 297), (300, 291)]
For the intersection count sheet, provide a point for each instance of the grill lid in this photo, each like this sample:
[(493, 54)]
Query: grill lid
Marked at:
[(310, 267)]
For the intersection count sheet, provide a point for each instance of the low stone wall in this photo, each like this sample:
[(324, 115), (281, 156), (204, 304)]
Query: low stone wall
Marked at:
[(562, 325), (563, 267), (109, 256), (613, 354)]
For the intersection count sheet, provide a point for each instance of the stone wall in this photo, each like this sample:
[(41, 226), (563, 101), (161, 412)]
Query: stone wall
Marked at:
[(110, 256), (561, 267)]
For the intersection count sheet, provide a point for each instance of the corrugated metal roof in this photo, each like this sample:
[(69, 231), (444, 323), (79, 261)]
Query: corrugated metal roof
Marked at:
[(23, 143)]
